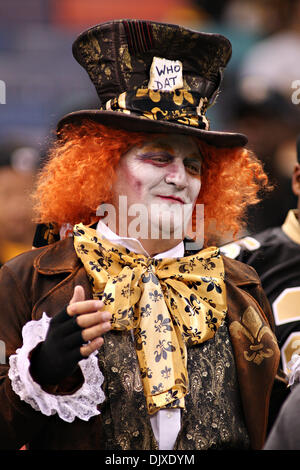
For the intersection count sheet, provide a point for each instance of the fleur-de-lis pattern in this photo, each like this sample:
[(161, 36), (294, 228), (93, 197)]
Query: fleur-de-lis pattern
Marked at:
[(168, 303), (252, 329), (181, 106)]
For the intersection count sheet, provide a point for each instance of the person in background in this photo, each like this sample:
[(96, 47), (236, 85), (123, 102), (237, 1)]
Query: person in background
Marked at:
[(285, 433), (275, 255), (18, 168)]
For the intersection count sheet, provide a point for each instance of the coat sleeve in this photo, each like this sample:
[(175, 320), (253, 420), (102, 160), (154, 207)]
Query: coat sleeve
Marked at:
[(19, 422), (77, 396)]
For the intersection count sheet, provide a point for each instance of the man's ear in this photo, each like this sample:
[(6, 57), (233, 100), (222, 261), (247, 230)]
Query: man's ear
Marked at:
[(296, 180)]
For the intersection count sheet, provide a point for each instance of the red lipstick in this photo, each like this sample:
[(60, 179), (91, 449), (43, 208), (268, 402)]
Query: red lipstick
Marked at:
[(173, 198)]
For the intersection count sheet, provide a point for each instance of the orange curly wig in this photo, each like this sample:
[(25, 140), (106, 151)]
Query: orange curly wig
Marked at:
[(80, 171)]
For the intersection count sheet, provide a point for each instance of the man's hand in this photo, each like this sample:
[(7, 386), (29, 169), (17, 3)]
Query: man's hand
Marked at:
[(94, 323), (73, 334)]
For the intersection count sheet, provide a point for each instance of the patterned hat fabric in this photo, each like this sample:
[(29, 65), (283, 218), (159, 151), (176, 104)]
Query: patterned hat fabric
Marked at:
[(154, 77)]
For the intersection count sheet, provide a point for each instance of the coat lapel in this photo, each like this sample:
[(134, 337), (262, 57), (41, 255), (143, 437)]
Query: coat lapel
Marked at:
[(255, 347)]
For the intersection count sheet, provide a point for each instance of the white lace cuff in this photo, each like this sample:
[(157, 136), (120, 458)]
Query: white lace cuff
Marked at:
[(294, 367), (82, 404)]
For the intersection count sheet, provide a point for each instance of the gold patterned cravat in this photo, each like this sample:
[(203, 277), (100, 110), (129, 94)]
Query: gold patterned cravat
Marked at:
[(169, 303)]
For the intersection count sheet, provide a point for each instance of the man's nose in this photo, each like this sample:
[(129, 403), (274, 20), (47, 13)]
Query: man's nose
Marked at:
[(176, 174)]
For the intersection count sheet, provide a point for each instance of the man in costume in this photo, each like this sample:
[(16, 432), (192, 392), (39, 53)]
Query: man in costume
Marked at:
[(154, 342)]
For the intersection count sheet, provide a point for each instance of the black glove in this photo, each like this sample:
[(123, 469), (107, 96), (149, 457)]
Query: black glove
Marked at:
[(56, 358)]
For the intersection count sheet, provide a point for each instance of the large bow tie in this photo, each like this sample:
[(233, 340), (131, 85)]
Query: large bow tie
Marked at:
[(168, 303)]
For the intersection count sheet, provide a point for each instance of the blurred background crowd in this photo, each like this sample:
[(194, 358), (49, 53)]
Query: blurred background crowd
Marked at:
[(40, 81)]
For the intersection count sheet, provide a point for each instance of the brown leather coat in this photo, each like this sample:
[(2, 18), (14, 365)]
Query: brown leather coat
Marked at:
[(43, 280)]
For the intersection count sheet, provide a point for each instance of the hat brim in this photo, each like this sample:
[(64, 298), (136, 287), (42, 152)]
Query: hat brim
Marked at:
[(134, 123)]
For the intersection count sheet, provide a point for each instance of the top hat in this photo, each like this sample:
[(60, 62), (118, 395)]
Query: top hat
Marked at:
[(154, 77)]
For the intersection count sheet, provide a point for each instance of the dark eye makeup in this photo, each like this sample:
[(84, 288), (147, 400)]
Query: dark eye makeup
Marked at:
[(156, 156), (162, 158)]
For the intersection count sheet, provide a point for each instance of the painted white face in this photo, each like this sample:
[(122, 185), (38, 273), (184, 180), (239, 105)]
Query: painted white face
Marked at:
[(162, 177)]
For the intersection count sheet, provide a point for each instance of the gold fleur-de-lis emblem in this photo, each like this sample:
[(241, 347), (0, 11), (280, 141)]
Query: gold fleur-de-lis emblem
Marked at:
[(255, 331), (51, 232)]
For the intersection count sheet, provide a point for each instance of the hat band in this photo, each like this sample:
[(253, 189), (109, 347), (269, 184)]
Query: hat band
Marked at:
[(180, 106)]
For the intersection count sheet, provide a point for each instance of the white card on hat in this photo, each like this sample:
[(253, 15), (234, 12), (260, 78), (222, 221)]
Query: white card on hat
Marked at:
[(165, 74)]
